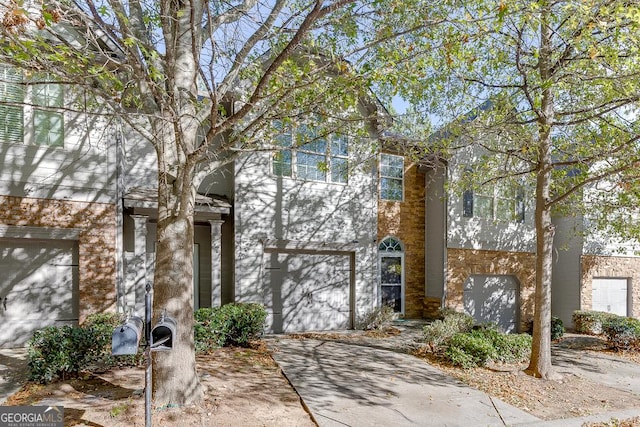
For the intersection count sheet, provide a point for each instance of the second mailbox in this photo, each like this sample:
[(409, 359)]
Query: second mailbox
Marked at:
[(163, 334)]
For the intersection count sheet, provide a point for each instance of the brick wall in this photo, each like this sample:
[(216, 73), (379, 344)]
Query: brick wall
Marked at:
[(96, 244), (462, 263), (406, 221), (610, 266)]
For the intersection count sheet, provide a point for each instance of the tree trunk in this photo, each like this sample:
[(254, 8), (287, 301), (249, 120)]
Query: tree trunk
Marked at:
[(540, 363), (175, 380)]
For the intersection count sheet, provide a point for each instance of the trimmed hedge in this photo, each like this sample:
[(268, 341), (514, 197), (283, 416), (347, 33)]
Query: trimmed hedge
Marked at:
[(590, 322), (623, 333), (233, 324), (557, 328)]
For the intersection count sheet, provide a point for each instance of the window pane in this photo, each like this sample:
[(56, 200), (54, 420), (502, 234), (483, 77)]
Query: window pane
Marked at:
[(339, 145), (47, 95), (282, 163), (311, 166), (48, 128), (392, 296), (339, 170), (483, 206), (317, 146), (506, 209), (390, 189), (391, 270), (391, 166)]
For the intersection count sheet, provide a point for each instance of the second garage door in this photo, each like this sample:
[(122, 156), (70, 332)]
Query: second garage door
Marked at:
[(309, 291), (492, 298), (610, 295)]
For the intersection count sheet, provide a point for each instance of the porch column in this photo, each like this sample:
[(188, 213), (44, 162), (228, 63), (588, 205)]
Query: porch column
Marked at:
[(216, 262), (138, 269)]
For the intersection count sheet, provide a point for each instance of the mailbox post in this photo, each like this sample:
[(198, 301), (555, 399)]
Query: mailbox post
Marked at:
[(126, 339)]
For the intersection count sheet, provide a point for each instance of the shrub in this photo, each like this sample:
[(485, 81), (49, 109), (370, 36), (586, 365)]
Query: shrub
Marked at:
[(623, 333), (483, 344), (377, 319), (438, 333), (230, 325), (557, 328), (590, 322), (57, 352)]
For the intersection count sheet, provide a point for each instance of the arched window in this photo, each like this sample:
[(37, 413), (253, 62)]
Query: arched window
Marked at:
[(391, 262)]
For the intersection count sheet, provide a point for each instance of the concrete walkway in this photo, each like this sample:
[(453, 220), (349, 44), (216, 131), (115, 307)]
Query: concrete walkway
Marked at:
[(350, 384), (13, 371)]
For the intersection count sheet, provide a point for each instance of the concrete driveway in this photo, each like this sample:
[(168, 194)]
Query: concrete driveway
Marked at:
[(352, 384)]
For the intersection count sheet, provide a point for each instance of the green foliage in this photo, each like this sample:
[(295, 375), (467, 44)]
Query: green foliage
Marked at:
[(58, 352), (438, 333), (590, 322), (233, 324), (376, 319), (623, 333), (485, 344), (557, 328)]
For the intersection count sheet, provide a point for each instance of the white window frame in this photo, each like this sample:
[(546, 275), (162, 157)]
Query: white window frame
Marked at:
[(37, 104), (495, 194), (397, 252), (287, 162), (384, 177)]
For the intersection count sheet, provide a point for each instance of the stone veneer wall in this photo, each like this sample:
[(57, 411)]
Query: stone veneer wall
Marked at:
[(96, 244), (610, 266), (462, 263), (406, 221)]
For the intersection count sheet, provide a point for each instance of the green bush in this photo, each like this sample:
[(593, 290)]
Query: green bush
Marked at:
[(590, 322), (58, 352), (623, 333), (233, 324), (438, 333), (557, 328), (485, 344)]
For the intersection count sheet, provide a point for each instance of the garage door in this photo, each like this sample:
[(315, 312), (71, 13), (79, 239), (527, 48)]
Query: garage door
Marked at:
[(610, 295), (38, 287), (492, 299), (308, 292)]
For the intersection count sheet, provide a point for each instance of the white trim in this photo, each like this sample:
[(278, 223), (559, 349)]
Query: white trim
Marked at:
[(30, 232)]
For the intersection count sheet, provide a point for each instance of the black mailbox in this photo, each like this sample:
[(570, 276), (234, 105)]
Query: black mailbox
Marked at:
[(163, 334), (126, 337)]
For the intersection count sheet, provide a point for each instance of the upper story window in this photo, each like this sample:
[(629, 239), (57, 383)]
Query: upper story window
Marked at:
[(391, 177), (311, 156), (29, 108), (501, 201)]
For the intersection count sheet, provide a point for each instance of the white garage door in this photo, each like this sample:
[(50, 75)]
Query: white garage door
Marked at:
[(308, 292), (492, 299), (610, 295), (38, 287)]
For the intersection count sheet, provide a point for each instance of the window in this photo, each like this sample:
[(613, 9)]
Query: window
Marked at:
[(40, 118), (391, 262), (391, 176), (322, 158), (501, 201)]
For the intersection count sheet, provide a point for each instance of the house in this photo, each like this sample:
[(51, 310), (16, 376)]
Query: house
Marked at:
[(320, 233)]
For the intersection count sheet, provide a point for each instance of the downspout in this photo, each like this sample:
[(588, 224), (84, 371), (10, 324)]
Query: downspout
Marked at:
[(120, 299), (445, 217)]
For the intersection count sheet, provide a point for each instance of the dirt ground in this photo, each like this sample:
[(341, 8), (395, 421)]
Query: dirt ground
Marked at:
[(246, 387)]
